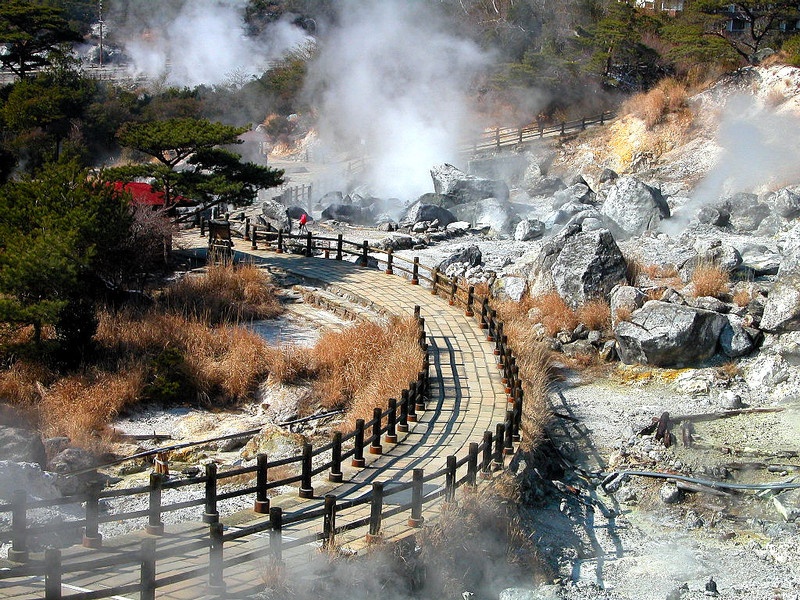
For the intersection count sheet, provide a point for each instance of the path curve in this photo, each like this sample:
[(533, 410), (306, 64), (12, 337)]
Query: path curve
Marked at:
[(467, 399)]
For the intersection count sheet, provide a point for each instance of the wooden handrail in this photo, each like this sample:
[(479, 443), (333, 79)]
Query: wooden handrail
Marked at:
[(490, 450)]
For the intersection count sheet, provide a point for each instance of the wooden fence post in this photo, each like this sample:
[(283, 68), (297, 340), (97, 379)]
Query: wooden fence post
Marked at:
[(335, 474), (279, 249), (415, 271), (472, 464), (563, 130), (508, 446), (412, 399), (389, 261), (497, 137), (147, 570), (19, 527), (365, 254), (484, 314), (329, 522), (276, 534), (453, 291), (583, 124), (306, 491), (154, 525), (309, 244), (358, 456), (254, 238), (375, 447), (486, 463), (375, 510), (211, 514), (419, 400), (450, 480), (517, 411), (216, 578), (435, 280), (470, 300), (261, 504), (499, 436), (391, 422), (402, 425), (202, 227), (247, 229), (416, 519), (52, 574), (339, 243), (92, 537)]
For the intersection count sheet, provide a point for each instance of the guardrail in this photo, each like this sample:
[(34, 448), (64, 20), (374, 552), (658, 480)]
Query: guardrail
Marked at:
[(500, 137), (482, 460)]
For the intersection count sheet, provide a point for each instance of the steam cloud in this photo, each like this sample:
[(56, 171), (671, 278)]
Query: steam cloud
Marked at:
[(196, 42), (390, 82), (757, 152)]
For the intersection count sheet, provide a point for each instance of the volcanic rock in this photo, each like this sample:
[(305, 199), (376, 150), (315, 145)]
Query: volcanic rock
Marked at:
[(419, 212), (632, 207), (493, 213), (664, 334), (782, 310), (529, 229), (22, 445), (349, 213), (471, 255), (579, 265), (275, 215), (458, 187)]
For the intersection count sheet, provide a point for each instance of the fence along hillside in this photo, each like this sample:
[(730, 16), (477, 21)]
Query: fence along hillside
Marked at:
[(217, 557)]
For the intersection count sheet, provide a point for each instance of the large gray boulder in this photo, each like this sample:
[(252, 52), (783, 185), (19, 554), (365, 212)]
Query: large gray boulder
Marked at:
[(786, 202), (471, 256), (579, 265), (577, 193), (419, 212), (274, 213), (746, 211), (782, 310), (632, 207), (22, 445), (496, 214), (348, 213), (665, 334), (529, 229), (458, 187)]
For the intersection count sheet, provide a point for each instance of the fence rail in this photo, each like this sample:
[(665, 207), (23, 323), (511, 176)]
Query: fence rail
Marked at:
[(501, 137), (484, 457)]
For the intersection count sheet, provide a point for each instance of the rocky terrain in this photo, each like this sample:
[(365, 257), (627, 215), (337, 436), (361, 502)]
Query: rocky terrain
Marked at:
[(691, 392), (696, 379)]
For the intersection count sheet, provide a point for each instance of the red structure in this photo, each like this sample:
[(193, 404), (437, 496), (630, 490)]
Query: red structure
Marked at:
[(143, 194)]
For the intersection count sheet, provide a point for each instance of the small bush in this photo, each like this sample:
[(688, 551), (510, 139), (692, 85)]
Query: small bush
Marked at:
[(669, 96), (742, 297), (709, 279)]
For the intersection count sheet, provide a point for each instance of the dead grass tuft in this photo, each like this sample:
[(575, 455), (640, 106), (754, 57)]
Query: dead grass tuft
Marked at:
[(595, 314), (709, 279), (554, 313), (79, 407), (742, 296), (224, 294), (669, 96), (362, 367)]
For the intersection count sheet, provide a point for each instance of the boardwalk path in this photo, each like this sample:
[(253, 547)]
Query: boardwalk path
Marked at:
[(467, 399)]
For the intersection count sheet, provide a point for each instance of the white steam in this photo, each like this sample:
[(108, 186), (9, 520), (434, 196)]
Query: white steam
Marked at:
[(758, 154), (391, 84), (197, 42)]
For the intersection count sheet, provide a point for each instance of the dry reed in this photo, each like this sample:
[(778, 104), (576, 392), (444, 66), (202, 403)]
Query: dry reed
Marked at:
[(595, 314), (709, 279)]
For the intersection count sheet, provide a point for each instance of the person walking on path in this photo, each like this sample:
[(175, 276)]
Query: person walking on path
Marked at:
[(303, 221)]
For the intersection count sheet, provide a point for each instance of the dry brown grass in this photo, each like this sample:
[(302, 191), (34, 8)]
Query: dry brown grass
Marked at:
[(742, 296), (552, 312), (79, 407), (622, 314), (224, 294), (709, 279), (669, 96), (633, 270), (365, 365), (595, 314)]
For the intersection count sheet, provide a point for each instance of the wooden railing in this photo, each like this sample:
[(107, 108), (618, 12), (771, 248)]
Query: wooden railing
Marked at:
[(484, 457), (500, 137)]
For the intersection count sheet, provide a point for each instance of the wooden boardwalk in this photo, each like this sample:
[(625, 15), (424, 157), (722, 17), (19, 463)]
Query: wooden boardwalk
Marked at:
[(467, 399)]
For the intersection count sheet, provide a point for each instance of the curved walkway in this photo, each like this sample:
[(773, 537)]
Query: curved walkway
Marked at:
[(467, 399)]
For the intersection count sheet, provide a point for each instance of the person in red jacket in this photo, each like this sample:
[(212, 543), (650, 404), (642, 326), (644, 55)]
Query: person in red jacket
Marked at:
[(303, 221)]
